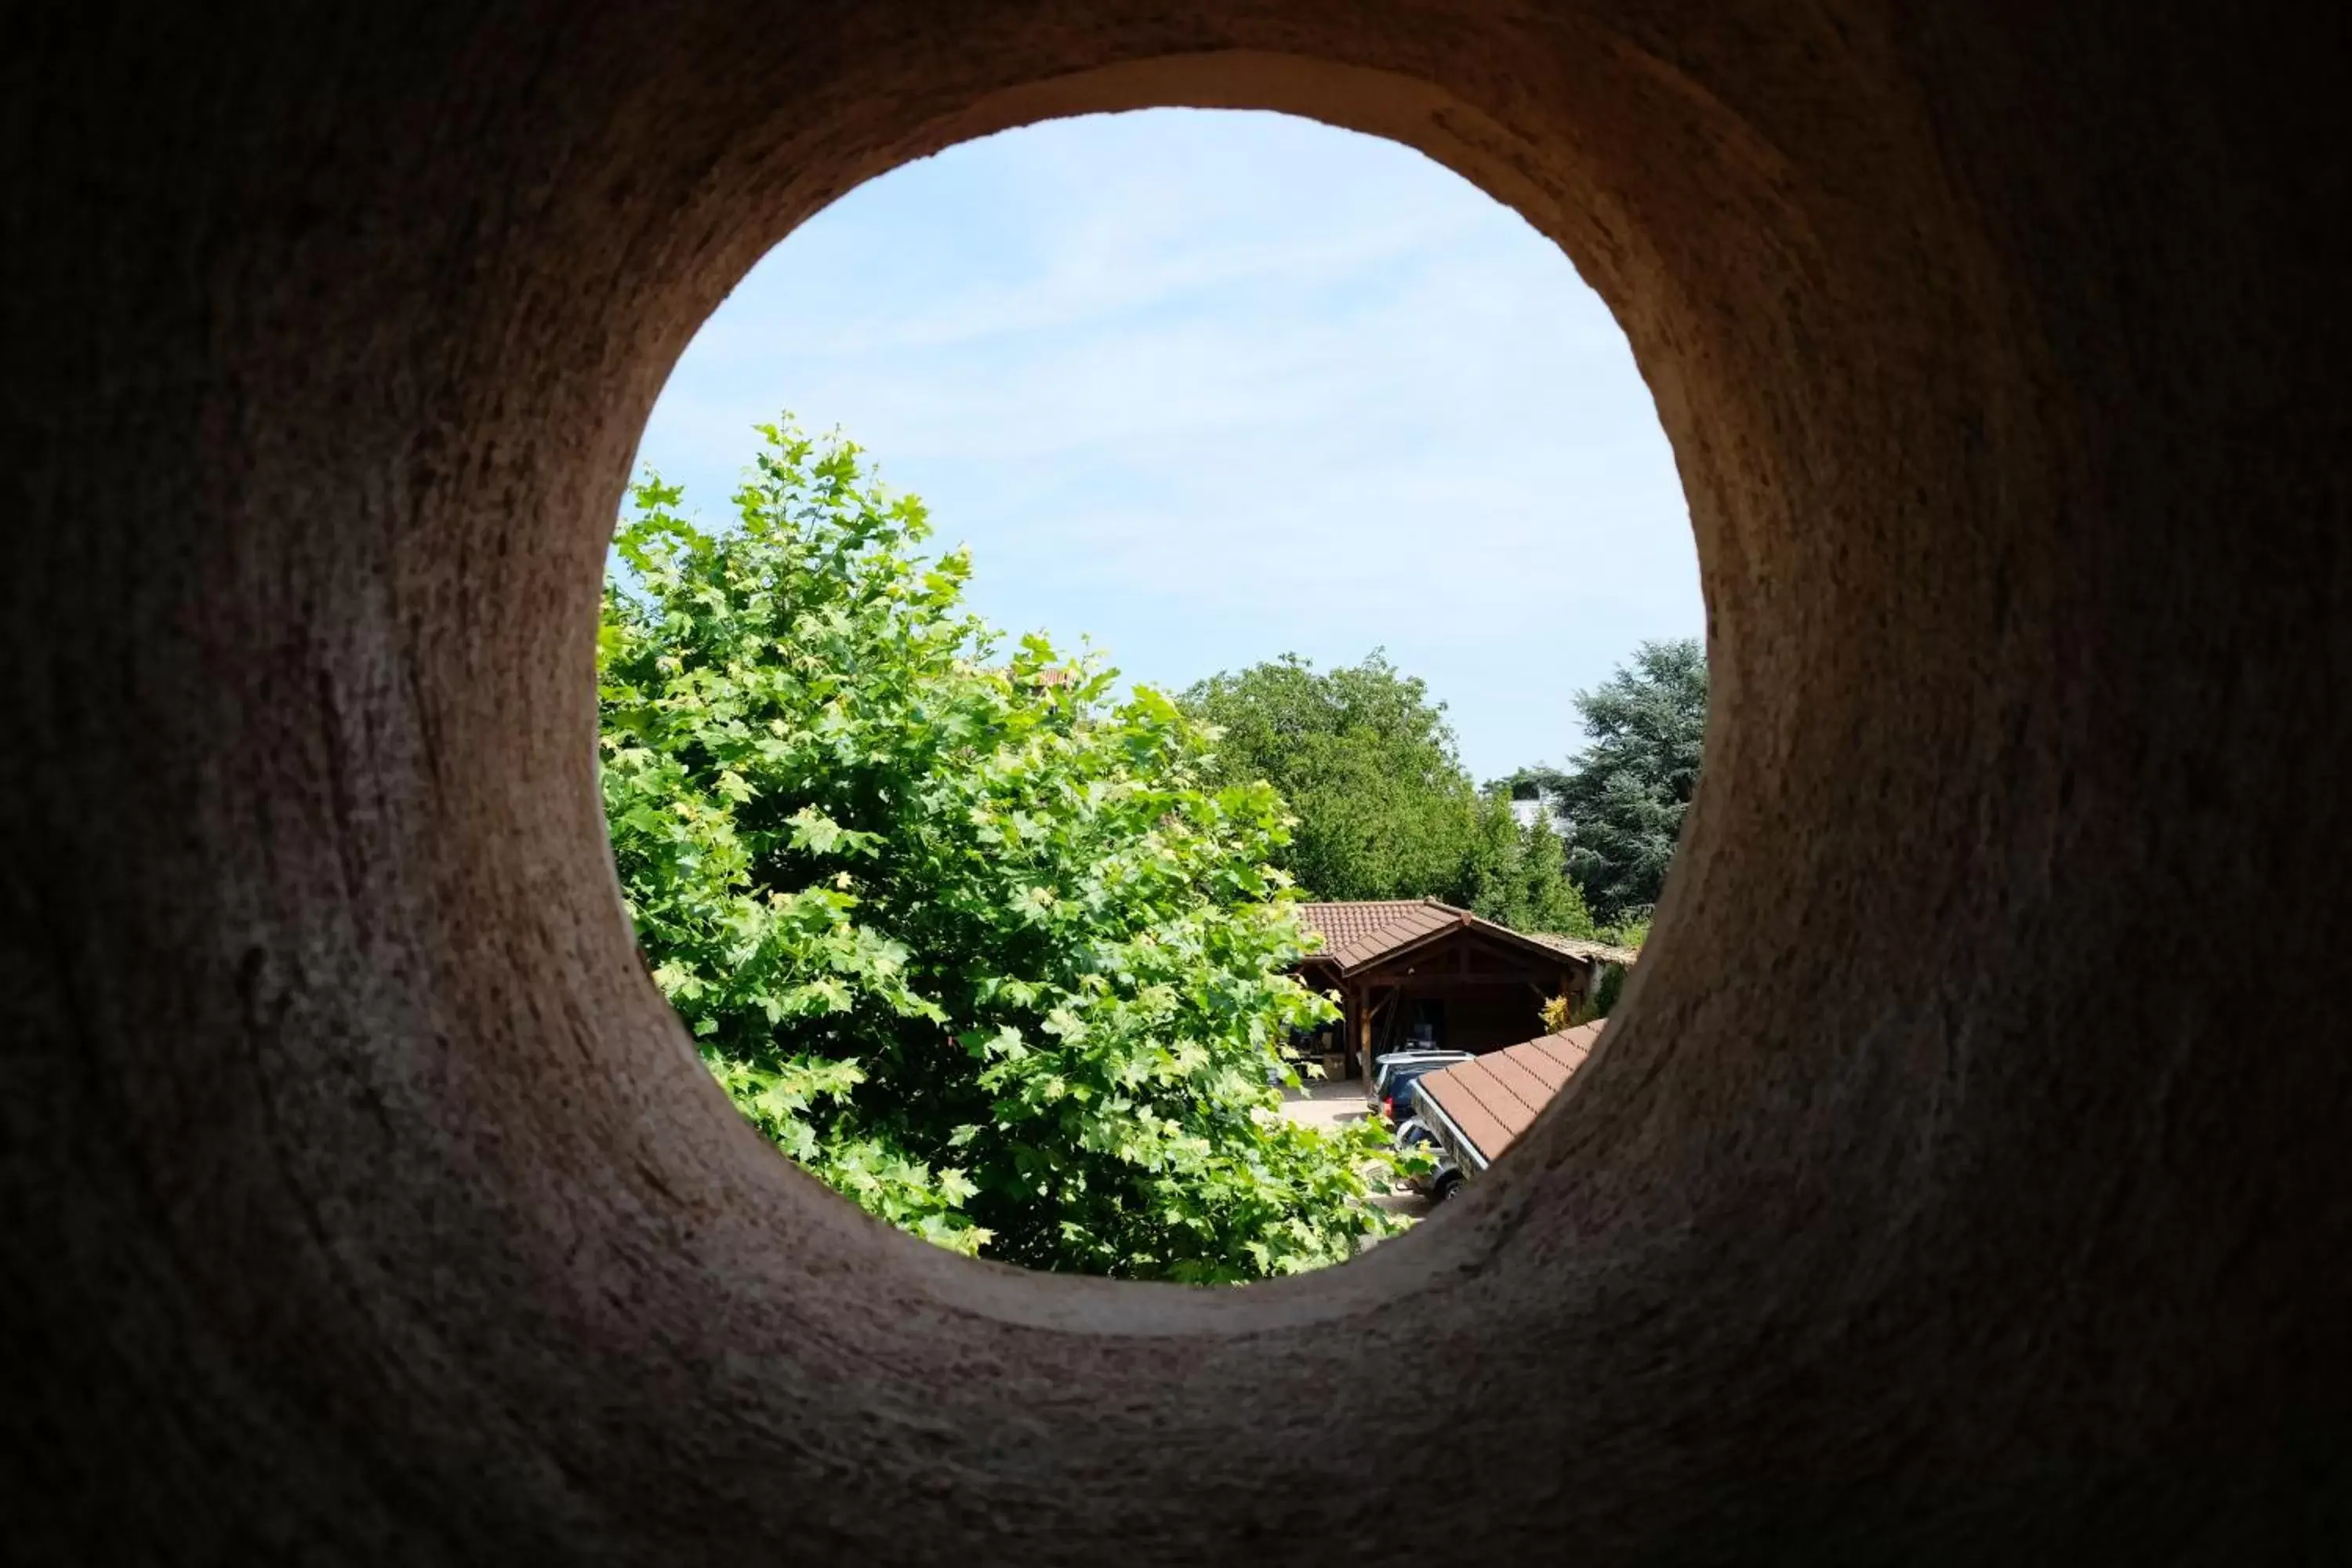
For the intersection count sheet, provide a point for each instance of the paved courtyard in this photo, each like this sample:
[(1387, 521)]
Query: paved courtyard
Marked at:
[(1328, 1102), (1336, 1103)]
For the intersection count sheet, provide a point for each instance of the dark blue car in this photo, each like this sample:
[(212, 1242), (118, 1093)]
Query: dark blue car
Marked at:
[(1394, 1075)]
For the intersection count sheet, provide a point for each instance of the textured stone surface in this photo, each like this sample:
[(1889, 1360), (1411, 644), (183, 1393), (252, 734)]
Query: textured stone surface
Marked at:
[(1965, 1178)]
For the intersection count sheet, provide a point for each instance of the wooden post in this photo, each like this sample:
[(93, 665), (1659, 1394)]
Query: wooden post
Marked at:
[(1344, 1036)]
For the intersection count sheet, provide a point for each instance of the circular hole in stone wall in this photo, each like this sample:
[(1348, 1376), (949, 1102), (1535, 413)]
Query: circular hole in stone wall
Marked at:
[(1917, 1208), (1285, 503)]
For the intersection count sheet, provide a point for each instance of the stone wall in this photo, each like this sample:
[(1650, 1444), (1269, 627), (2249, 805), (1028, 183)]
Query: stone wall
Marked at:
[(364, 1204)]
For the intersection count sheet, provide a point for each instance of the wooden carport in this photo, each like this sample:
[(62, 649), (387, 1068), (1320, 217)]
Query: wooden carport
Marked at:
[(1480, 985)]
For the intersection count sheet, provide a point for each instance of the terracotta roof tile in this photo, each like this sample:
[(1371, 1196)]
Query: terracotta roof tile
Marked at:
[(1356, 933), (1494, 1097), (1340, 925), (1514, 1075), (1478, 1123), (1548, 1072)]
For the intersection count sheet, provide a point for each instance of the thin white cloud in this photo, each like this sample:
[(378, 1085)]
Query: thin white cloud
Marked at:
[(1214, 387)]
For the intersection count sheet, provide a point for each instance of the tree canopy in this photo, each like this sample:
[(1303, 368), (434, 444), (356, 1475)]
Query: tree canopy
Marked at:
[(1366, 763), (986, 951), (1518, 874), (1384, 808), (1624, 797)]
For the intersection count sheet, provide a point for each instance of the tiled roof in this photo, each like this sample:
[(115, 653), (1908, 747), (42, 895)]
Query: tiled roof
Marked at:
[(1494, 1097), (1342, 925), (1355, 934), (1358, 934), (1585, 947)]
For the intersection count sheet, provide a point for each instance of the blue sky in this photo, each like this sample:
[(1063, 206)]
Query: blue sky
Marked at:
[(1211, 387)]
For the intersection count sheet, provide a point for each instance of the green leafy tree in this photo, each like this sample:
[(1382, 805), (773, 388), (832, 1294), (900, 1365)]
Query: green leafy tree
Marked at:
[(977, 946), (1623, 798), (1366, 763), (1519, 875), (1382, 806)]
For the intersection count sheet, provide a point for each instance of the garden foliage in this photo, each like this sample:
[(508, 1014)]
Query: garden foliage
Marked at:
[(970, 940)]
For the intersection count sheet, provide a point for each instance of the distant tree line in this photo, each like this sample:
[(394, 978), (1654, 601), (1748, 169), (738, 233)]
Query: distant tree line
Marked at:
[(1385, 809), (1624, 798)]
